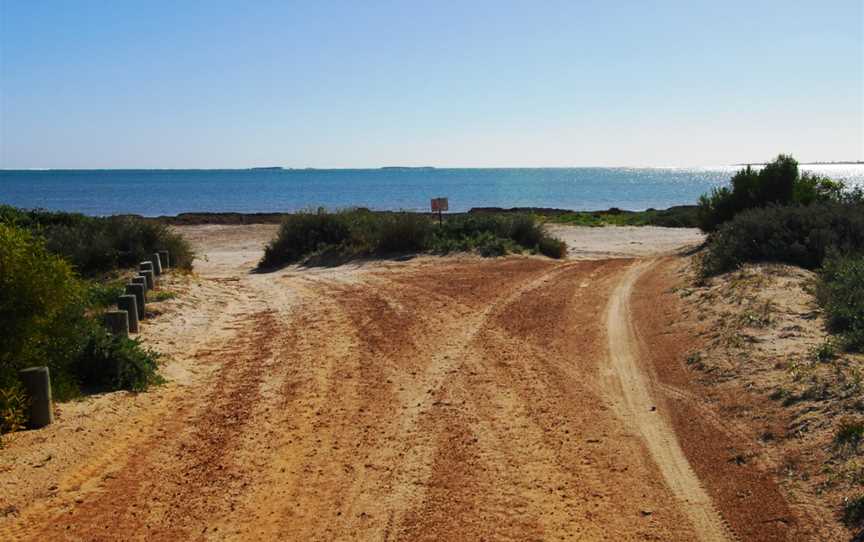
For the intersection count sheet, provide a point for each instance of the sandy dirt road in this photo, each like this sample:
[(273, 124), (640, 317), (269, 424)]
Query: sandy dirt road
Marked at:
[(429, 399)]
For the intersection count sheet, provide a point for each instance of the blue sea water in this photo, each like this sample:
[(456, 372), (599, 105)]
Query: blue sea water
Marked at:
[(169, 192)]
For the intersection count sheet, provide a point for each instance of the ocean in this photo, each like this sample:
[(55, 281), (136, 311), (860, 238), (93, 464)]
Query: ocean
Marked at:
[(170, 192)]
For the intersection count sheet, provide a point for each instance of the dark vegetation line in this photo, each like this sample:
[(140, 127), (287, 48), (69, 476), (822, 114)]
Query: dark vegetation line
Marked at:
[(681, 216)]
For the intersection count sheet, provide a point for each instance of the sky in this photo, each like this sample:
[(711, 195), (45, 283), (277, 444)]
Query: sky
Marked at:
[(213, 84)]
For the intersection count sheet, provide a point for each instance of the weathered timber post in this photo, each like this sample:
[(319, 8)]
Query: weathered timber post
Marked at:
[(146, 265), (129, 304), (165, 259), (157, 263), (37, 385), (151, 279), (138, 291), (117, 322), (140, 279)]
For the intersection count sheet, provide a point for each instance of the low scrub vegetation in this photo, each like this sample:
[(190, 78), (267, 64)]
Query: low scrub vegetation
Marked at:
[(96, 245), (841, 292), (13, 404), (683, 216), (797, 235), (359, 232), (853, 511), (47, 318), (849, 434), (778, 183)]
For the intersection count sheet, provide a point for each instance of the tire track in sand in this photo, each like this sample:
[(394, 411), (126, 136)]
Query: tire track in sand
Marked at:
[(636, 406)]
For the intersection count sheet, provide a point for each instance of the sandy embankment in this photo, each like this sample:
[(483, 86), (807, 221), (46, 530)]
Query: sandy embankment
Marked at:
[(436, 398)]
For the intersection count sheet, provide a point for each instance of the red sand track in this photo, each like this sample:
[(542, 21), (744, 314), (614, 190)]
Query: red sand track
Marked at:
[(440, 399)]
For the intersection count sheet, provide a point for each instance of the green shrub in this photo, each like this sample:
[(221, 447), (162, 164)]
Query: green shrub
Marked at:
[(95, 245), (116, 363), (795, 235), (526, 231), (13, 409), (404, 232), (490, 246), (43, 315), (42, 307), (778, 183), (840, 291), (554, 248), (162, 295), (360, 232), (304, 233), (104, 294), (849, 434)]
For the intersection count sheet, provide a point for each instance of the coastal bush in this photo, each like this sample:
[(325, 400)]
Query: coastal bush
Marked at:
[(101, 294), (361, 232), (95, 245), (403, 232), (42, 310), (552, 247), (778, 183), (840, 291), (110, 362), (797, 235), (46, 317), (304, 233)]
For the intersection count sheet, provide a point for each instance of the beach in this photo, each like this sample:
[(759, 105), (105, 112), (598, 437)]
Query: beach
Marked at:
[(416, 271), (424, 398)]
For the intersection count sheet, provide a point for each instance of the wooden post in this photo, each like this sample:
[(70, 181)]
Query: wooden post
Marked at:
[(117, 322), (129, 303), (165, 259), (151, 279), (142, 280), (140, 297), (145, 266), (157, 264), (37, 385)]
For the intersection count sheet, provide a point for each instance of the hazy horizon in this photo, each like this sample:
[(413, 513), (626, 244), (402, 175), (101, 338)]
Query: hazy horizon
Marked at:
[(485, 85), (395, 166)]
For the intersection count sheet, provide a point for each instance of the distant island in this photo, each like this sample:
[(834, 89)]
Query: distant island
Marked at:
[(267, 168), (402, 168)]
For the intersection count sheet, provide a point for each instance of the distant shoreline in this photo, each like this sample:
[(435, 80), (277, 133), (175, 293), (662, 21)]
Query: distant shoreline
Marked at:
[(232, 218)]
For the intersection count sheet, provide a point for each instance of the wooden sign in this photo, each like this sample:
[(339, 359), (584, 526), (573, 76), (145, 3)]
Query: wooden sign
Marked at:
[(439, 205)]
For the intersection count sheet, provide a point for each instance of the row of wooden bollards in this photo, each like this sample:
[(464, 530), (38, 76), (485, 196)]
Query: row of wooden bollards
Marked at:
[(130, 306), (126, 319)]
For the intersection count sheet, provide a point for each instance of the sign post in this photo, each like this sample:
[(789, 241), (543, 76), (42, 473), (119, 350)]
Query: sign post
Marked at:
[(440, 205)]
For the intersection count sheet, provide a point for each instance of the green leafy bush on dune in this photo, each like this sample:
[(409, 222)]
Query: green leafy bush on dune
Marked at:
[(796, 235), (95, 245), (360, 232), (42, 310), (841, 292), (45, 317), (778, 183), (302, 234)]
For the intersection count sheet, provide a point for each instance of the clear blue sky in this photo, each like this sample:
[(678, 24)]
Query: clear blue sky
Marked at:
[(492, 83)]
